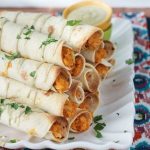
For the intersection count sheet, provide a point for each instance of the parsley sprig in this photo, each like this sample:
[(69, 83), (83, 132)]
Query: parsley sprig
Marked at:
[(48, 41), (73, 22), (13, 56), (28, 110), (18, 37), (32, 74), (2, 101), (13, 141), (15, 106), (71, 138), (131, 60), (28, 31), (98, 125), (1, 110)]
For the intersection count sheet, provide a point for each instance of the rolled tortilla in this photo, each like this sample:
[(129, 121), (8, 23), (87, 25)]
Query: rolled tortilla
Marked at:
[(89, 37), (79, 66), (76, 92), (90, 78), (40, 75), (81, 121), (33, 121), (51, 102), (105, 51), (34, 45), (91, 102), (104, 68)]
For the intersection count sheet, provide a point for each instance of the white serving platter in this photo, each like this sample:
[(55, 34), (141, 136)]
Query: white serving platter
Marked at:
[(117, 105)]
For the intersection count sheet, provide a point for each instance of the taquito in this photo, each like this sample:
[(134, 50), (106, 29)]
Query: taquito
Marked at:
[(44, 76), (89, 37), (81, 121), (34, 45), (90, 78), (91, 102), (33, 121), (51, 102), (105, 51), (76, 92), (79, 66), (104, 68)]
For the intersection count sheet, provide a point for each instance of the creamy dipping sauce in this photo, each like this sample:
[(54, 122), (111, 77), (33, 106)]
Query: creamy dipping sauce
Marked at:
[(88, 14)]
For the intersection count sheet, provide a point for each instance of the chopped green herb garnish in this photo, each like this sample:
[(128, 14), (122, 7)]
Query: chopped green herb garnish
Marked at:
[(14, 105), (27, 38), (2, 101), (98, 134), (73, 22), (28, 110), (32, 74), (22, 106), (13, 141), (48, 41), (99, 126), (28, 31), (71, 138), (18, 36), (97, 118), (13, 56), (1, 110), (130, 61)]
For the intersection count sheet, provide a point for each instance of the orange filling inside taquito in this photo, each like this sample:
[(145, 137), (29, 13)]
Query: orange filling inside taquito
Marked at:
[(100, 54), (59, 128), (102, 70), (81, 123), (94, 41), (62, 82), (70, 109), (86, 104), (68, 57), (78, 67)]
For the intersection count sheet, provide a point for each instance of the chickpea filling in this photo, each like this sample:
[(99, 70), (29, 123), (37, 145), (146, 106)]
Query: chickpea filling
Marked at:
[(70, 109), (81, 123), (94, 41), (79, 63), (100, 54), (62, 82), (102, 70), (59, 128), (68, 57)]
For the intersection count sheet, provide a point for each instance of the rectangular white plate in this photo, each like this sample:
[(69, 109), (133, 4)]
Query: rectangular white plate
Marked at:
[(117, 105)]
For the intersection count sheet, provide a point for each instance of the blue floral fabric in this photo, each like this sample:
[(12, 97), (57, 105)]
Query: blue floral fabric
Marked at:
[(141, 80)]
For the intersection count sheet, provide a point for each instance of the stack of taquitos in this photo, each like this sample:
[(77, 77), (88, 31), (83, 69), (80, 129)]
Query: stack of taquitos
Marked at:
[(36, 69)]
